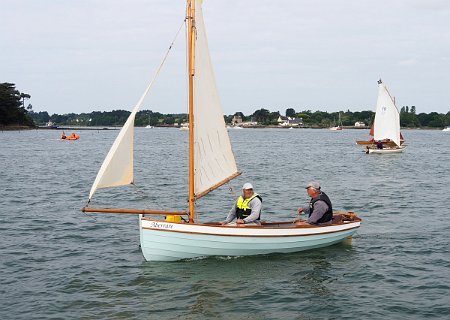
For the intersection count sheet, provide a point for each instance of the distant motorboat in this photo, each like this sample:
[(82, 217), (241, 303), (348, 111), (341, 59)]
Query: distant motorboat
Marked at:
[(446, 129), (51, 125), (149, 126)]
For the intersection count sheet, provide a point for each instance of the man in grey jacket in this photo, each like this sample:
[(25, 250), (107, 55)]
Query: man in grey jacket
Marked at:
[(319, 209), (247, 208)]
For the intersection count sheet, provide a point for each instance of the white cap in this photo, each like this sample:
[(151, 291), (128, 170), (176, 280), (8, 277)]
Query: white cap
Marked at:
[(247, 186), (313, 184)]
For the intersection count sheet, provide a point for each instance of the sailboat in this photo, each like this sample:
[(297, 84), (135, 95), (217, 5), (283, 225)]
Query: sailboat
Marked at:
[(165, 235), (385, 130), (339, 126)]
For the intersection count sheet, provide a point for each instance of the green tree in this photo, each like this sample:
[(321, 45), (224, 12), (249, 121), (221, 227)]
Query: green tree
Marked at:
[(290, 112), (262, 116), (12, 109), (24, 96)]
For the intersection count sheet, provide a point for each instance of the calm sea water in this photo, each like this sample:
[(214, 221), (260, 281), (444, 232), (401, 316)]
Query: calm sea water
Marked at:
[(59, 263)]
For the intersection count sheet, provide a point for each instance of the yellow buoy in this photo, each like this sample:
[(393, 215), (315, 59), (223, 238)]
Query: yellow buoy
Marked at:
[(173, 218)]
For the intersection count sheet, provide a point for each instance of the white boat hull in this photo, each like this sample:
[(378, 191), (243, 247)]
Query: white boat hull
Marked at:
[(166, 241), (386, 150)]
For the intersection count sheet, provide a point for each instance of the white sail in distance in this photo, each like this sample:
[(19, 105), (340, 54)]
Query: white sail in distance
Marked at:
[(387, 117), (214, 160)]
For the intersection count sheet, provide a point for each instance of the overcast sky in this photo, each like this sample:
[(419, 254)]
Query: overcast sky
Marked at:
[(99, 55)]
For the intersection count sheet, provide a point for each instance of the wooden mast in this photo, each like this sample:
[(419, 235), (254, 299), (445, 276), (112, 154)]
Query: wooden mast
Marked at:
[(191, 71)]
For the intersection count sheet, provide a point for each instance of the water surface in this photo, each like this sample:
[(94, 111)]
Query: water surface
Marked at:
[(59, 263)]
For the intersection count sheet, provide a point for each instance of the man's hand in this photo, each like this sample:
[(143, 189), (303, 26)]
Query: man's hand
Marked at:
[(240, 221), (301, 222), (300, 210)]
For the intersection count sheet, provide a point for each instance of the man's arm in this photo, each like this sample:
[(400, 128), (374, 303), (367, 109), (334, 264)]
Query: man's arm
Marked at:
[(255, 205), (320, 207), (231, 214)]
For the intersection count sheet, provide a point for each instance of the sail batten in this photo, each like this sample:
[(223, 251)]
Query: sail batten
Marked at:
[(221, 183), (387, 117)]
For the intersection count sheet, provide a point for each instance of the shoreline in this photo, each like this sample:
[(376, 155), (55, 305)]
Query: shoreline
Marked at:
[(68, 128), (16, 127)]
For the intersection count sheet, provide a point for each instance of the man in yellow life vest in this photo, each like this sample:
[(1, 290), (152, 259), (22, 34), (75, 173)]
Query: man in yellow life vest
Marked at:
[(247, 208)]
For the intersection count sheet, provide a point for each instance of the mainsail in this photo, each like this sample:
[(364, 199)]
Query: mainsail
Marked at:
[(387, 118), (214, 161)]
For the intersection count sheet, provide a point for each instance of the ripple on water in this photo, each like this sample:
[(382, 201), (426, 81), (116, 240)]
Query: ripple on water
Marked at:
[(57, 262)]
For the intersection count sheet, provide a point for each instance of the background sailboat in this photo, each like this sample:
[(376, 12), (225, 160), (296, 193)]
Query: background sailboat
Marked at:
[(339, 126), (386, 127), (211, 164)]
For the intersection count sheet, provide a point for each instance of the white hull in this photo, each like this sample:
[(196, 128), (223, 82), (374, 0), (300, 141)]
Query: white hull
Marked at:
[(386, 150), (167, 241), (336, 128), (446, 129)]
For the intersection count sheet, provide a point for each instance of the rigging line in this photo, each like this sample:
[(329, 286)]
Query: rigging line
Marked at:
[(231, 189), (143, 195), (138, 105), (89, 216)]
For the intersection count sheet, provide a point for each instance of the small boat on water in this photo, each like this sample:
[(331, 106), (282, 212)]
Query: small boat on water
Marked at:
[(446, 129), (164, 234), (386, 127), (339, 126), (51, 125), (72, 136)]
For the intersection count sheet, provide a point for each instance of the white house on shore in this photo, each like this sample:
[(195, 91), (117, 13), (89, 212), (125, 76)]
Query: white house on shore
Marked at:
[(236, 120), (360, 124), (289, 122)]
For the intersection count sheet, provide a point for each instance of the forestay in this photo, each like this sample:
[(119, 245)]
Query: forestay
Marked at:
[(387, 118), (213, 157)]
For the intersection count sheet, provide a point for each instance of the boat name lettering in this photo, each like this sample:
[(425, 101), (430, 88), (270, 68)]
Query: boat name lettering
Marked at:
[(160, 225)]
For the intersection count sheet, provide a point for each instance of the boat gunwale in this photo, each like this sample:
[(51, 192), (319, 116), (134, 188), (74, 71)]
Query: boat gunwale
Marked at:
[(294, 227), (387, 150), (264, 225), (251, 235)]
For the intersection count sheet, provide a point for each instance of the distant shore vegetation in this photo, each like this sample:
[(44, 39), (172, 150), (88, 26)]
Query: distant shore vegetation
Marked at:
[(16, 111), (261, 117)]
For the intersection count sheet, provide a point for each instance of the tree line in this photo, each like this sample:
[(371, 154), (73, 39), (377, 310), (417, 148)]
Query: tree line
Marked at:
[(264, 117), (14, 110)]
